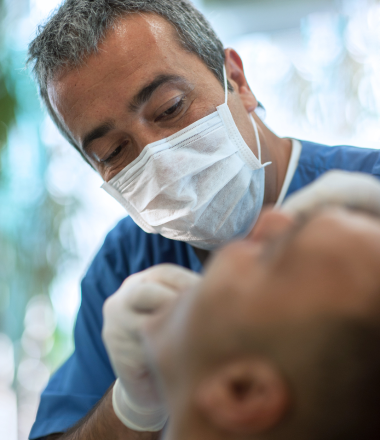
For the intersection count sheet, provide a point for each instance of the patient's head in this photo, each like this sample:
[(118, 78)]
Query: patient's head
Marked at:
[(280, 341)]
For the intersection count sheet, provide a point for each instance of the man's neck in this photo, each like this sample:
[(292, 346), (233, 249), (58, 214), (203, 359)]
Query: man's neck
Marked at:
[(278, 151), (202, 255)]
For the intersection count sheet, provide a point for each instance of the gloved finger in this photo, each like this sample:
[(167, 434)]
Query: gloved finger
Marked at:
[(120, 309), (339, 188), (171, 275), (149, 296)]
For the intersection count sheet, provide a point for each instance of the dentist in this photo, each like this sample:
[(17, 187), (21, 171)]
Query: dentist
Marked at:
[(145, 91)]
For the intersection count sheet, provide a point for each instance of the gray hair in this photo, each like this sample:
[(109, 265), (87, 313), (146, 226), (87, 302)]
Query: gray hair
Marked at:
[(76, 28)]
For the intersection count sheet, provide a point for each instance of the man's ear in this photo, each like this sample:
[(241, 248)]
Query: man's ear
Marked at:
[(236, 76), (247, 396)]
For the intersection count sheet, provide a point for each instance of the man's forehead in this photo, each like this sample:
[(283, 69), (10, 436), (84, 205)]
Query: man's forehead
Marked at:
[(137, 48), (133, 43)]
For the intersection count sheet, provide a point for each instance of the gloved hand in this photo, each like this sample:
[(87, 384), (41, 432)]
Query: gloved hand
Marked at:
[(135, 399), (340, 188)]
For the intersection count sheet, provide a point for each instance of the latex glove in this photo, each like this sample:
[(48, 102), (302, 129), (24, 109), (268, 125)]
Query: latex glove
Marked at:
[(341, 188), (136, 400)]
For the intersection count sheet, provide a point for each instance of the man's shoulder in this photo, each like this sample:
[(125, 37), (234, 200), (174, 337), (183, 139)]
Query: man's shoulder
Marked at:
[(129, 241), (122, 234), (316, 159), (122, 245), (321, 158), (119, 241), (128, 249)]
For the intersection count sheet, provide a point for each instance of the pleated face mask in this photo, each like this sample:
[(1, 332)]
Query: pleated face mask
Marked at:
[(202, 185)]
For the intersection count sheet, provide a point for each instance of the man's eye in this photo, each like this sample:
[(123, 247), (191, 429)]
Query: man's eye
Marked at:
[(173, 110), (113, 154)]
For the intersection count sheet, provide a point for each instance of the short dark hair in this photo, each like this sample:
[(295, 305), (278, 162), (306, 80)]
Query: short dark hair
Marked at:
[(348, 399), (331, 365)]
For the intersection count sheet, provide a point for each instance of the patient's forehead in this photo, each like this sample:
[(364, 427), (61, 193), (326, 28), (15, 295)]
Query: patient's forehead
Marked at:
[(328, 261), (327, 230)]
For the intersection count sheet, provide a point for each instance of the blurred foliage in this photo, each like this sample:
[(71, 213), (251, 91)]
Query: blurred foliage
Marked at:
[(32, 247), (7, 107), (7, 96)]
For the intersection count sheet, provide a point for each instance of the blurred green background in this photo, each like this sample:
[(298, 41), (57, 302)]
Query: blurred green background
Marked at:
[(315, 66)]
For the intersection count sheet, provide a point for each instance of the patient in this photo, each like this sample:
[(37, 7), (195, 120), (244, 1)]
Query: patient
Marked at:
[(281, 339)]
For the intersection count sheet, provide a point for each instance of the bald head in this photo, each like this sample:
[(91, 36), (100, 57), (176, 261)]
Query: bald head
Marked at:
[(278, 341)]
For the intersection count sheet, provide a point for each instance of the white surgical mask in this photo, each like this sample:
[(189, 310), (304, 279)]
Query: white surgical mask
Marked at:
[(202, 185)]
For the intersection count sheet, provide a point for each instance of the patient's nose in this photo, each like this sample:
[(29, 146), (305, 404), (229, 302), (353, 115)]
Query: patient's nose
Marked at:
[(270, 224)]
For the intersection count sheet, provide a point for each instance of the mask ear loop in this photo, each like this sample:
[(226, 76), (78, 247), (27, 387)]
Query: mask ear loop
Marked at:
[(225, 84), (258, 143)]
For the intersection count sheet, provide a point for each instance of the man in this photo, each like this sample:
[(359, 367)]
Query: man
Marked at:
[(281, 338), (138, 88)]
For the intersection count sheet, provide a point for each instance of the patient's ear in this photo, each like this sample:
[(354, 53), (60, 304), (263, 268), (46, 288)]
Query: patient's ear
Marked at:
[(245, 396)]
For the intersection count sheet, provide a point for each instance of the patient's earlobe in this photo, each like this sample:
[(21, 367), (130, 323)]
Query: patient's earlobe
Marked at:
[(245, 396)]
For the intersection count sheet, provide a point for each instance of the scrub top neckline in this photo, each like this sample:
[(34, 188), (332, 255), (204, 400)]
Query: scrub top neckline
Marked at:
[(293, 163)]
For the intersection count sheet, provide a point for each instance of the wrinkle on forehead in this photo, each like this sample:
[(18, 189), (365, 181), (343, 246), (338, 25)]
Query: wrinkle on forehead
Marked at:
[(156, 24), (326, 261), (130, 60), (103, 79), (346, 222), (106, 50), (155, 28)]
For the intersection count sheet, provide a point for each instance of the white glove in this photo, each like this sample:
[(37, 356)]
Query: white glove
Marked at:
[(136, 400), (340, 188)]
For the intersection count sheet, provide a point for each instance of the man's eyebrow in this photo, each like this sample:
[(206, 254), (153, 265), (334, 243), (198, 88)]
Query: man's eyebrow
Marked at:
[(137, 101), (97, 132), (146, 92)]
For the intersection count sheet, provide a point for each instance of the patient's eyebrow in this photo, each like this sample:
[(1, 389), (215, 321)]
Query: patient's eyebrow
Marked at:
[(96, 133), (147, 91), (276, 250)]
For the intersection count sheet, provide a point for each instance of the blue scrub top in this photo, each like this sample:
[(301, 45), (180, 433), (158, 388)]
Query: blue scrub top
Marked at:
[(84, 378)]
